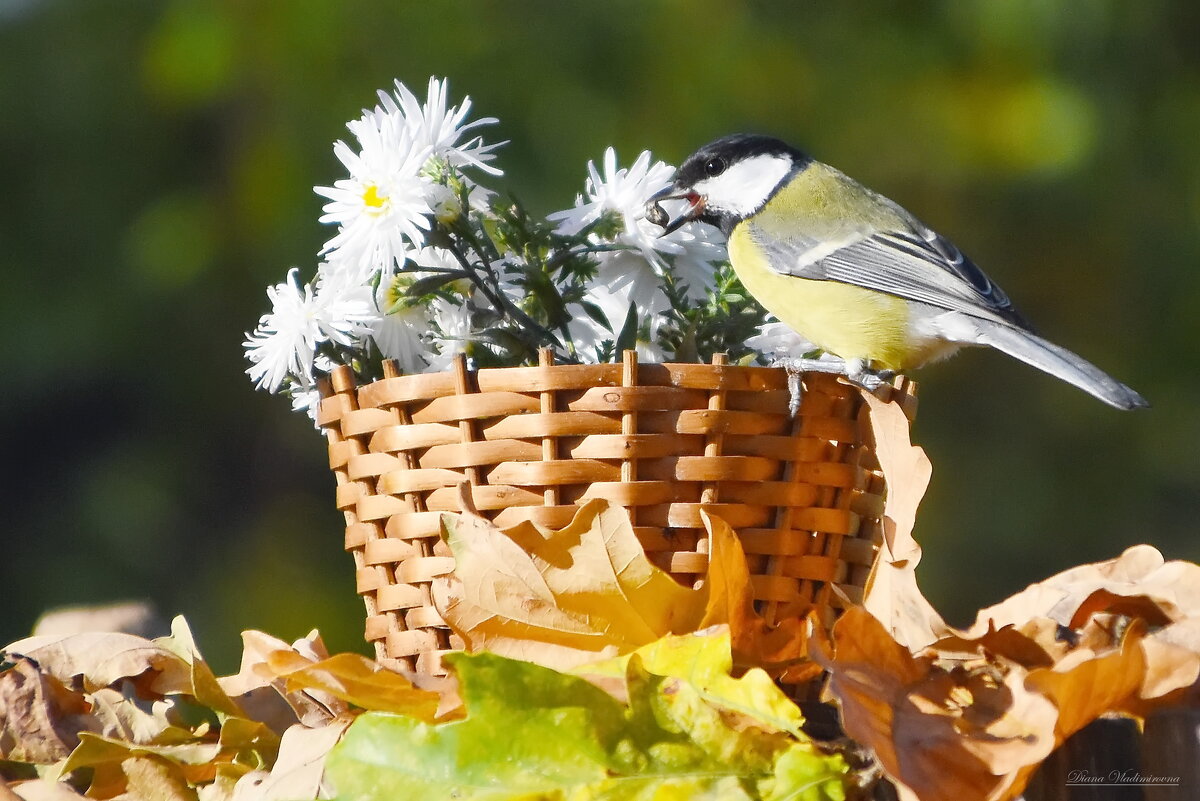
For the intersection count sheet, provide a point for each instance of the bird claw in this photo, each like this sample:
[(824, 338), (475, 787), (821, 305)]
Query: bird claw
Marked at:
[(868, 379), (795, 391), (796, 368), (855, 371)]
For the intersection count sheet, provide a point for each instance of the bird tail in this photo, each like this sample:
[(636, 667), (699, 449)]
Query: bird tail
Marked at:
[(1058, 362)]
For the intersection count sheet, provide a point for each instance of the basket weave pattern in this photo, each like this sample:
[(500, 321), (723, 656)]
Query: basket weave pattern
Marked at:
[(803, 494)]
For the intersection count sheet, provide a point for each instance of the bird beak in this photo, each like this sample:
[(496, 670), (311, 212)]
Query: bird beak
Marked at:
[(658, 216)]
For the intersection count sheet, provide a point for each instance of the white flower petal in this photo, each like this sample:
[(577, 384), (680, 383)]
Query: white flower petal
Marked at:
[(624, 192), (776, 340), (283, 344), (439, 128)]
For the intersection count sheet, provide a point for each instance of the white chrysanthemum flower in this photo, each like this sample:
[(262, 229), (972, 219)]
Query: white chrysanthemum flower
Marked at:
[(434, 259), (621, 194), (452, 332), (285, 340), (589, 336), (622, 279), (344, 309), (307, 401), (777, 341), (648, 349), (695, 268), (401, 327), (438, 127), (382, 208)]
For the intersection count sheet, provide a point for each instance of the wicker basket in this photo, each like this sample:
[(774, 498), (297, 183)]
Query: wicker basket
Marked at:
[(662, 440)]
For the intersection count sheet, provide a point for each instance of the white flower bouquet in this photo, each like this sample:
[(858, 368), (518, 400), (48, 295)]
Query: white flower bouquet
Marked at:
[(427, 263)]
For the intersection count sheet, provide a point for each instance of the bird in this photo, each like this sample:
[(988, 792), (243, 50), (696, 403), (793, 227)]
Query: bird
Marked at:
[(852, 271)]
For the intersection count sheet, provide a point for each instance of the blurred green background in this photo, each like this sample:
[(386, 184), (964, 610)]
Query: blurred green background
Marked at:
[(158, 160)]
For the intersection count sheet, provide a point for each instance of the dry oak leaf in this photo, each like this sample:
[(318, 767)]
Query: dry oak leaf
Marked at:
[(1172, 667), (39, 790), (1087, 608), (354, 679), (954, 724), (264, 695), (560, 598), (101, 659), (40, 719), (1138, 583), (940, 735), (150, 778), (891, 593), (299, 771), (155, 668), (776, 647)]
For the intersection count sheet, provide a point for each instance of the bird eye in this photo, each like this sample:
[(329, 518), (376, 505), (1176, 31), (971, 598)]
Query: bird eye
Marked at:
[(715, 166)]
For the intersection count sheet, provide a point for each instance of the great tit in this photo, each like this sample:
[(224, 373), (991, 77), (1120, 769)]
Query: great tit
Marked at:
[(851, 270)]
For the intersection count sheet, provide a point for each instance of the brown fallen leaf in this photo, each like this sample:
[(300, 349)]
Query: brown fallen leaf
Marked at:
[(1151, 587), (779, 648), (264, 695), (561, 598), (130, 617), (354, 679), (40, 719), (121, 715), (891, 593), (39, 790), (150, 778), (940, 734), (1120, 636), (1085, 684), (1088, 610), (201, 681), (299, 772), (106, 757), (1172, 666), (101, 659)]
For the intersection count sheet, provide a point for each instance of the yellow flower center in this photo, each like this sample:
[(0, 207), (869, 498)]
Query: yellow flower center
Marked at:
[(372, 199), (395, 294)]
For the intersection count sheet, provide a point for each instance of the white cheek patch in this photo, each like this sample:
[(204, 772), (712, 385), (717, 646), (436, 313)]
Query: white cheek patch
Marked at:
[(744, 187)]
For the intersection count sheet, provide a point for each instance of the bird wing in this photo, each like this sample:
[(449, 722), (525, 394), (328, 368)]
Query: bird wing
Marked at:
[(917, 265)]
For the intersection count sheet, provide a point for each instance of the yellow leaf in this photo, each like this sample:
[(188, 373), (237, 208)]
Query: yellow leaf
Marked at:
[(704, 660), (560, 598), (356, 680)]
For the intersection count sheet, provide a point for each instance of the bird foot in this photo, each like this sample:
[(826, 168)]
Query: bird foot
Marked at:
[(871, 380), (855, 371)]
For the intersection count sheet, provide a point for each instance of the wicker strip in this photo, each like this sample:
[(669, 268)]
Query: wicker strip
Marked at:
[(665, 441)]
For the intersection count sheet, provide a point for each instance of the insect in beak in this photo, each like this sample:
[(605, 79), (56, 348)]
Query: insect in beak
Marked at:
[(657, 215)]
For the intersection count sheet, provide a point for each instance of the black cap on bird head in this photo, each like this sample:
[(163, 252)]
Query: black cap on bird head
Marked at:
[(727, 180)]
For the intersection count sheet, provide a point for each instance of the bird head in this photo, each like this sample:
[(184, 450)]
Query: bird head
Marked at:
[(726, 181)]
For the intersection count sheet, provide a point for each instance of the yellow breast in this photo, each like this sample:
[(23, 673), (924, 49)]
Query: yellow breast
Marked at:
[(847, 321)]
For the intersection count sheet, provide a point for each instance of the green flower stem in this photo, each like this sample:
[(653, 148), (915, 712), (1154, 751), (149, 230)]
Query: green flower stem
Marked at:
[(496, 297)]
